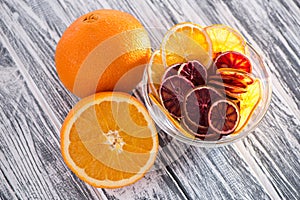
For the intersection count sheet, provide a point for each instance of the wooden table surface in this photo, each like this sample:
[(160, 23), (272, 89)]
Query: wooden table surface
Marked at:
[(33, 105)]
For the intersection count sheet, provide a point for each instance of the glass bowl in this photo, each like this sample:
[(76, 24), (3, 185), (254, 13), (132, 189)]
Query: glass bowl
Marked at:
[(259, 70)]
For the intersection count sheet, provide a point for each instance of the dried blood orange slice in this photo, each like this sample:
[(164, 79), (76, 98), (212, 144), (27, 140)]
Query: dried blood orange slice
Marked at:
[(197, 103), (229, 80), (171, 71), (223, 116), (185, 42), (201, 132), (197, 130), (225, 38), (233, 59), (194, 71), (233, 96), (227, 87), (234, 74), (214, 136), (172, 92), (174, 121)]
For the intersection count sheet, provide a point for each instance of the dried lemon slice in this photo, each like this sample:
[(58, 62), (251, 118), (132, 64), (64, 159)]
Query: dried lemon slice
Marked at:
[(185, 42)]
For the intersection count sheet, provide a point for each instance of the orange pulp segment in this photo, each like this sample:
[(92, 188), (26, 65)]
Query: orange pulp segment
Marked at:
[(109, 140)]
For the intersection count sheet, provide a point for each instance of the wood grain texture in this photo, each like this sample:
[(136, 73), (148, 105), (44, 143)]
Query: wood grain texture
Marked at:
[(34, 103), (157, 184), (31, 164)]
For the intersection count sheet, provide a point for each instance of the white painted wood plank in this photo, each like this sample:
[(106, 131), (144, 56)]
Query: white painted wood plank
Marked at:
[(157, 184), (35, 49)]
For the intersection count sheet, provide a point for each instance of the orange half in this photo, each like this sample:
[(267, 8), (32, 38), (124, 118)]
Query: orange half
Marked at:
[(109, 140)]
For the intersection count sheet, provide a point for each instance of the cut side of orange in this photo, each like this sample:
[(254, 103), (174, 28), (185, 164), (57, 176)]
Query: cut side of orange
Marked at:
[(225, 38), (248, 103), (185, 42), (155, 72), (109, 140)]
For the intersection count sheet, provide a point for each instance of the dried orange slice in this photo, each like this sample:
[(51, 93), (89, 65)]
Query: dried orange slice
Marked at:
[(248, 102), (185, 42), (225, 38), (109, 140), (155, 72)]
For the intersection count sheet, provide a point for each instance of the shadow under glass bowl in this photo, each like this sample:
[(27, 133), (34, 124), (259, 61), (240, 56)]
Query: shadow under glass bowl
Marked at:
[(259, 70)]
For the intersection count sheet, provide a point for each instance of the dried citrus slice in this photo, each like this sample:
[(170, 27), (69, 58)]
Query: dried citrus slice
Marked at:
[(172, 92), (194, 71), (175, 122), (109, 140), (233, 74), (227, 87), (223, 117), (185, 42), (235, 60), (198, 131), (233, 96), (155, 71), (171, 71), (197, 103), (229, 80), (225, 38), (248, 102), (203, 133)]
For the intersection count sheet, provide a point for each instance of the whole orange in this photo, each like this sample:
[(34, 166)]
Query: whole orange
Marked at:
[(103, 50)]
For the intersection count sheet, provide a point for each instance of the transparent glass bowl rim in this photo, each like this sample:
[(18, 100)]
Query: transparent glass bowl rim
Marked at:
[(175, 133)]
